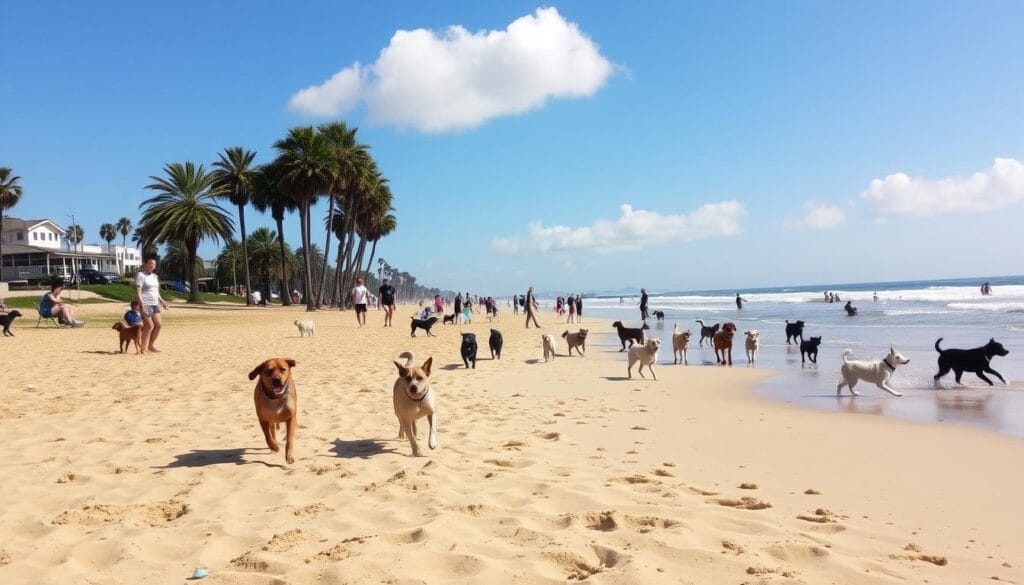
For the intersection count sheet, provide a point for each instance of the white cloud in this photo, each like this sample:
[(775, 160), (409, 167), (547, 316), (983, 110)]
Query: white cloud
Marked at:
[(633, 230), (435, 82), (996, 187), (819, 217)]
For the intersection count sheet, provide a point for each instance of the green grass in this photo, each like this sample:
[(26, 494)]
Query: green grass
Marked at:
[(32, 302), (125, 293)]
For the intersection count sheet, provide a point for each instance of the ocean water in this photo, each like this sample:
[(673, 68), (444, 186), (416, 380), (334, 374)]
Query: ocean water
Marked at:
[(909, 316)]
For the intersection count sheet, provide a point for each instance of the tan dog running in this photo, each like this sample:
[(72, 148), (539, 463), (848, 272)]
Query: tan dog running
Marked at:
[(723, 343), (680, 339), (414, 399), (276, 402), (549, 346), (647, 355), (129, 334), (753, 344), (577, 340)]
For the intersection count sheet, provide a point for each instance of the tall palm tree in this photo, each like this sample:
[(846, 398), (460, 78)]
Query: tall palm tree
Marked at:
[(267, 196), (139, 237), (185, 210), (363, 191), (229, 260), (10, 194), (380, 226), (74, 235), (124, 227), (307, 171), (268, 264), (235, 177), (108, 232), (174, 264)]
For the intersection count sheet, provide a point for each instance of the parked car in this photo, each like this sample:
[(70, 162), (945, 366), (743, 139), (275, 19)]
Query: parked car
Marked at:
[(93, 276)]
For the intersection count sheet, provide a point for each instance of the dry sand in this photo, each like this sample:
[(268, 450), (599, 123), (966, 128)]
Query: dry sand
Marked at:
[(137, 469)]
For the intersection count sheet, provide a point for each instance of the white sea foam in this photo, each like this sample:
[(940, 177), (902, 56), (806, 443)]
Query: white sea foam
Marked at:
[(989, 306)]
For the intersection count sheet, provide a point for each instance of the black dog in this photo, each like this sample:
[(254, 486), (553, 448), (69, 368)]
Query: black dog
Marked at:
[(794, 330), (424, 324), (6, 321), (449, 319), (810, 347), (707, 332), (970, 360), (630, 334), (659, 315), (495, 342), (468, 349)]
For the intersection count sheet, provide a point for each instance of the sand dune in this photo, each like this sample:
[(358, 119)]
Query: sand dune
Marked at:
[(130, 469)]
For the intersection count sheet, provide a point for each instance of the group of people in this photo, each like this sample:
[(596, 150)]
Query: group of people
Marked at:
[(573, 305)]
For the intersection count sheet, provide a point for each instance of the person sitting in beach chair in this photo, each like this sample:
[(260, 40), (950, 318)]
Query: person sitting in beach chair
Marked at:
[(51, 306)]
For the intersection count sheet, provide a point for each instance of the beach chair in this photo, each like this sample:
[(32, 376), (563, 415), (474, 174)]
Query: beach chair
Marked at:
[(52, 320)]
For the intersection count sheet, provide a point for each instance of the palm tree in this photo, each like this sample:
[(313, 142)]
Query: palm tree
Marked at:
[(108, 232), (146, 243), (307, 171), (228, 261), (124, 227), (364, 191), (380, 226), (234, 178), (267, 196), (10, 194), (174, 264), (74, 235), (185, 210), (269, 265)]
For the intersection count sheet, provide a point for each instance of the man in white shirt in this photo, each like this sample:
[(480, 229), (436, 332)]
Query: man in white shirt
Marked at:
[(360, 298)]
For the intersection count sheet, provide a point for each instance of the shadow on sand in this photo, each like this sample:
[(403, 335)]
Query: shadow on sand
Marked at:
[(205, 457), (360, 448)]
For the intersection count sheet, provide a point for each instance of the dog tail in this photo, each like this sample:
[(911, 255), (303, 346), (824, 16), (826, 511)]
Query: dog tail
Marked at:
[(566, 334), (937, 342), (408, 357), (675, 329), (701, 321), (846, 354), (118, 326)]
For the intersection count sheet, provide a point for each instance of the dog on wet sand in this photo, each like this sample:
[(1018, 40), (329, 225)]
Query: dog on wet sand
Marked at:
[(647, 355), (576, 340), (794, 330), (277, 402), (129, 334), (877, 372), (977, 360), (706, 332), (548, 342), (753, 344), (630, 334), (680, 339), (809, 349), (413, 400), (722, 341)]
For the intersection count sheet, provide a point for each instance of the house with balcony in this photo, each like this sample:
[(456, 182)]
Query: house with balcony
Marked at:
[(35, 248)]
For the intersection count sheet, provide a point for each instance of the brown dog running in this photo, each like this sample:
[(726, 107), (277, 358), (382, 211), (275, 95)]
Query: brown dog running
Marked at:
[(129, 334), (723, 343), (577, 341), (276, 402)]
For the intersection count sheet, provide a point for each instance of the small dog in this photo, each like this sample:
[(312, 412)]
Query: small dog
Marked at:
[(277, 401), (548, 342), (7, 320), (129, 334), (680, 339), (414, 400), (659, 315), (809, 349), (977, 360), (647, 355), (305, 327), (630, 334), (449, 319), (794, 330), (878, 372), (468, 349), (424, 324), (753, 343), (576, 340), (495, 341), (707, 332), (723, 343)]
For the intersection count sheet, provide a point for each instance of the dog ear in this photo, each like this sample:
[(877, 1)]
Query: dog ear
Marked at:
[(402, 370), (427, 364), (290, 362), (257, 371)]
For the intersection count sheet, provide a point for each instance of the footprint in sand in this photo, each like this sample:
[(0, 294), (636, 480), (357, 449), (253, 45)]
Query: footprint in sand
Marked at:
[(66, 477), (812, 492), (514, 445), (748, 486), (312, 510), (915, 554), (152, 515), (663, 472), (730, 547), (504, 463), (576, 567), (744, 503), (820, 516), (288, 540)]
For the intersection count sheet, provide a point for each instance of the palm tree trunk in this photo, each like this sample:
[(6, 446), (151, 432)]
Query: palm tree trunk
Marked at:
[(359, 256), (286, 293), (339, 290), (308, 277), (349, 264), (191, 253), (327, 248), (373, 252), (245, 255), (2, 245)]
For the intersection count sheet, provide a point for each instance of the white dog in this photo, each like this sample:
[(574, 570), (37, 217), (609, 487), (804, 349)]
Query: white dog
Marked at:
[(549, 346), (647, 355), (878, 372), (305, 327), (753, 344)]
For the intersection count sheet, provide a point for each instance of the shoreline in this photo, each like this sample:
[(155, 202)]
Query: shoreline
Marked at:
[(544, 472)]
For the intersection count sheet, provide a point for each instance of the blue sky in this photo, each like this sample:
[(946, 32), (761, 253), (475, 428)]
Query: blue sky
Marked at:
[(787, 111)]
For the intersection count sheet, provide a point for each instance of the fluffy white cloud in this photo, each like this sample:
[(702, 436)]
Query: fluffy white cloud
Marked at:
[(819, 217), (633, 230), (457, 79), (996, 187)]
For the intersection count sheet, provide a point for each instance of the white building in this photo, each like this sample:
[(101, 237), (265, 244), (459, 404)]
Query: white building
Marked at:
[(38, 247)]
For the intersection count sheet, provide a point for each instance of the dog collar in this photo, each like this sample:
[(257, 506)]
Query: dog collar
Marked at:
[(886, 362), (271, 396), (421, 397)]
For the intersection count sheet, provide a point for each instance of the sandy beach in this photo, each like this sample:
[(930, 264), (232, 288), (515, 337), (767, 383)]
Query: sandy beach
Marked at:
[(131, 469)]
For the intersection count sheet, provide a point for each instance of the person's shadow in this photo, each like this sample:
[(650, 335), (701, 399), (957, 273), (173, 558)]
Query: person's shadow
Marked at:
[(360, 448), (206, 457)]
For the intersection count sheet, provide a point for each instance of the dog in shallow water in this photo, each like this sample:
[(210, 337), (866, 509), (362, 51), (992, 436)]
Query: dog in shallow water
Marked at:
[(878, 372), (414, 400), (794, 330), (129, 334), (630, 334), (753, 344), (723, 343), (977, 360), (809, 349), (659, 315), (706, 332), (680, 339)]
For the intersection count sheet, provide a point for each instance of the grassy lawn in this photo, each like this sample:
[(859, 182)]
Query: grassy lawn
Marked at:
[(125, 293), (31, 302)]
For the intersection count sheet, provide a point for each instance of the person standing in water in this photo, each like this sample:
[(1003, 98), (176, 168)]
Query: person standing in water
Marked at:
[(643, 304), (739, 301)]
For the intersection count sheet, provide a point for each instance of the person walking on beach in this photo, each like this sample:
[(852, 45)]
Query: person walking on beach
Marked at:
[(571, 303), (360, 298), (515, 304), (643, 304), (579, 308), (458, 308), (530, 307), (388, 297), (147, 292), (739, 301)]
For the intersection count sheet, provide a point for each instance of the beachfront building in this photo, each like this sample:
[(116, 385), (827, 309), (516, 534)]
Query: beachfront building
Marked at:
[(35, 248)]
